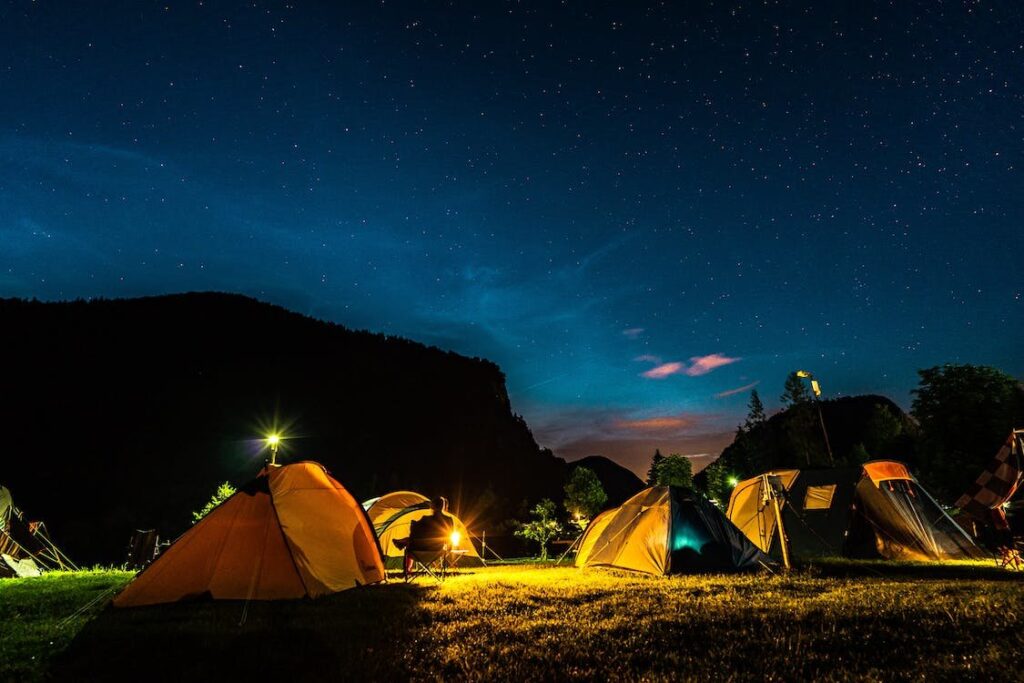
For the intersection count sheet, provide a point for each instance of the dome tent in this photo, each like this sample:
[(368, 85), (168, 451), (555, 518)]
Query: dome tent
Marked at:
[(392, 516), (667, 530), (292, 532)]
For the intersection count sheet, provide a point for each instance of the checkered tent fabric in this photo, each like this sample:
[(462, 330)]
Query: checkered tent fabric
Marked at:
[(997, 484)]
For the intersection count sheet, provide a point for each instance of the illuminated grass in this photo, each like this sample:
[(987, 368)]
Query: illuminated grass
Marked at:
[(38, 616), (837, 620)]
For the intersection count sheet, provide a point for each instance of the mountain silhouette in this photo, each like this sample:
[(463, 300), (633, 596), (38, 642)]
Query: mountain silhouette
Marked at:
[(618, 482), (127, 414)]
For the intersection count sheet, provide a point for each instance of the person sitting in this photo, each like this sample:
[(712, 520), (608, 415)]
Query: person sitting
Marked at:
[(428, 536)]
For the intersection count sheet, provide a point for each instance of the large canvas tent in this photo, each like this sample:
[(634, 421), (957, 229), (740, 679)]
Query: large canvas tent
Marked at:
[(25, 546), (878, 510), (665, 530), (292, 532), (392, 516)]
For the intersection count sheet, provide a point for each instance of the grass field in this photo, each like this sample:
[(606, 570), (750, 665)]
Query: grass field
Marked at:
[(836, 621)]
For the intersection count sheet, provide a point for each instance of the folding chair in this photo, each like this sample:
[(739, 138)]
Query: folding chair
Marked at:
[(433, 563)]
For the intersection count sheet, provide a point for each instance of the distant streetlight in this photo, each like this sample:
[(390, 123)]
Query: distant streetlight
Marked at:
[(816, 390)]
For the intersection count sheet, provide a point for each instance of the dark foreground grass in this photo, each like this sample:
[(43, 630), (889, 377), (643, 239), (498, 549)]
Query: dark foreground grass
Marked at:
[(833, 621), (39, 617)]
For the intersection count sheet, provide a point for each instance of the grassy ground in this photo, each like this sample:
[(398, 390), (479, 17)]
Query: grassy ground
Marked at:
[(38, 617), (836, 620)]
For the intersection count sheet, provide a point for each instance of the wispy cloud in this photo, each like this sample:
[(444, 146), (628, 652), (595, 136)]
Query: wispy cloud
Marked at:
[(658, 424), (699, 365), (665, 370), (737, 390), (632, 332), (702, 365), (648, 358)]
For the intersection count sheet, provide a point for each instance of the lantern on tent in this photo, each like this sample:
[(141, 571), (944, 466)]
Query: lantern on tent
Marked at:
[(273, 440)]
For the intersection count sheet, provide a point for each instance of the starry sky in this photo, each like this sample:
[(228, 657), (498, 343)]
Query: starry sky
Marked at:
[(641, 212)]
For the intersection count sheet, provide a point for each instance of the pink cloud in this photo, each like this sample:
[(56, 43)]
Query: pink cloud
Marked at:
[(633, 332), (664, 370), (648, 358), (657, 424), (702, 365), (737, 390)]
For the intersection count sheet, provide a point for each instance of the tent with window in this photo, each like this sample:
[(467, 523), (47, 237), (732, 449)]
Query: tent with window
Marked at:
[(392, 516), (667, 530), (292, 532), (878, 510), (25, 545)]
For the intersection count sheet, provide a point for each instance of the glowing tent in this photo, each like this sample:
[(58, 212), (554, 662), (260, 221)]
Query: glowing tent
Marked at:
[(292, 532), (666, 530), (392, 515), (877, 510)]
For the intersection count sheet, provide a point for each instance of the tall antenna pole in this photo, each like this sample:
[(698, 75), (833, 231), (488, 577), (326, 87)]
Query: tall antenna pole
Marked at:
[(816, 391)]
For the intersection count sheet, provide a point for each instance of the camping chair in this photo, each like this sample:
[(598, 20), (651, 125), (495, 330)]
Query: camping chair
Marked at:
[(434, 562)]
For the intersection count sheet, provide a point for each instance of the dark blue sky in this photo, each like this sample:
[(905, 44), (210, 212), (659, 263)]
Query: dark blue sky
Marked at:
[(582, 193)]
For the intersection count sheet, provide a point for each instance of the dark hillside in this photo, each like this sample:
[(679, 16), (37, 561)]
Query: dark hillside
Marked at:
[(127, 413), (860, 428)]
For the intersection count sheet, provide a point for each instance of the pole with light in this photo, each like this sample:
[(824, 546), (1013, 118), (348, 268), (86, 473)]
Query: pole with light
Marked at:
[(273, 440), (816, 390)]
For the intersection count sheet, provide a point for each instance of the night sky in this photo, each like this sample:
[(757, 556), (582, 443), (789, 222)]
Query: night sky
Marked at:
[(639, 213)]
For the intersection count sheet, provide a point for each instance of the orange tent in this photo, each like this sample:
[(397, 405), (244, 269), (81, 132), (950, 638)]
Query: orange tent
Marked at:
[(292, 532)]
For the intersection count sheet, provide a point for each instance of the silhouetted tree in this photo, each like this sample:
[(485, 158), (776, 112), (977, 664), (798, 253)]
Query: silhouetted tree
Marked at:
[(965, 412), (717, 484), (675, 470), (584, 495), (652, 477), (755, 415), (543, 527), (880, 431), (795, 391)]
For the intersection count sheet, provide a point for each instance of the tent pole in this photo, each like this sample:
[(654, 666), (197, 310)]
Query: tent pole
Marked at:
[(569, 549), (783, 540), (484, 548), (824, 432)]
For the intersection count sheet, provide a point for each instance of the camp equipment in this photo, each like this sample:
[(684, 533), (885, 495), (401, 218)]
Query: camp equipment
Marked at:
[(392, 516), (290, 533), (666, 530), (878, 510), (985, 502), (25, 546), (143, 548), (997, 484)]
